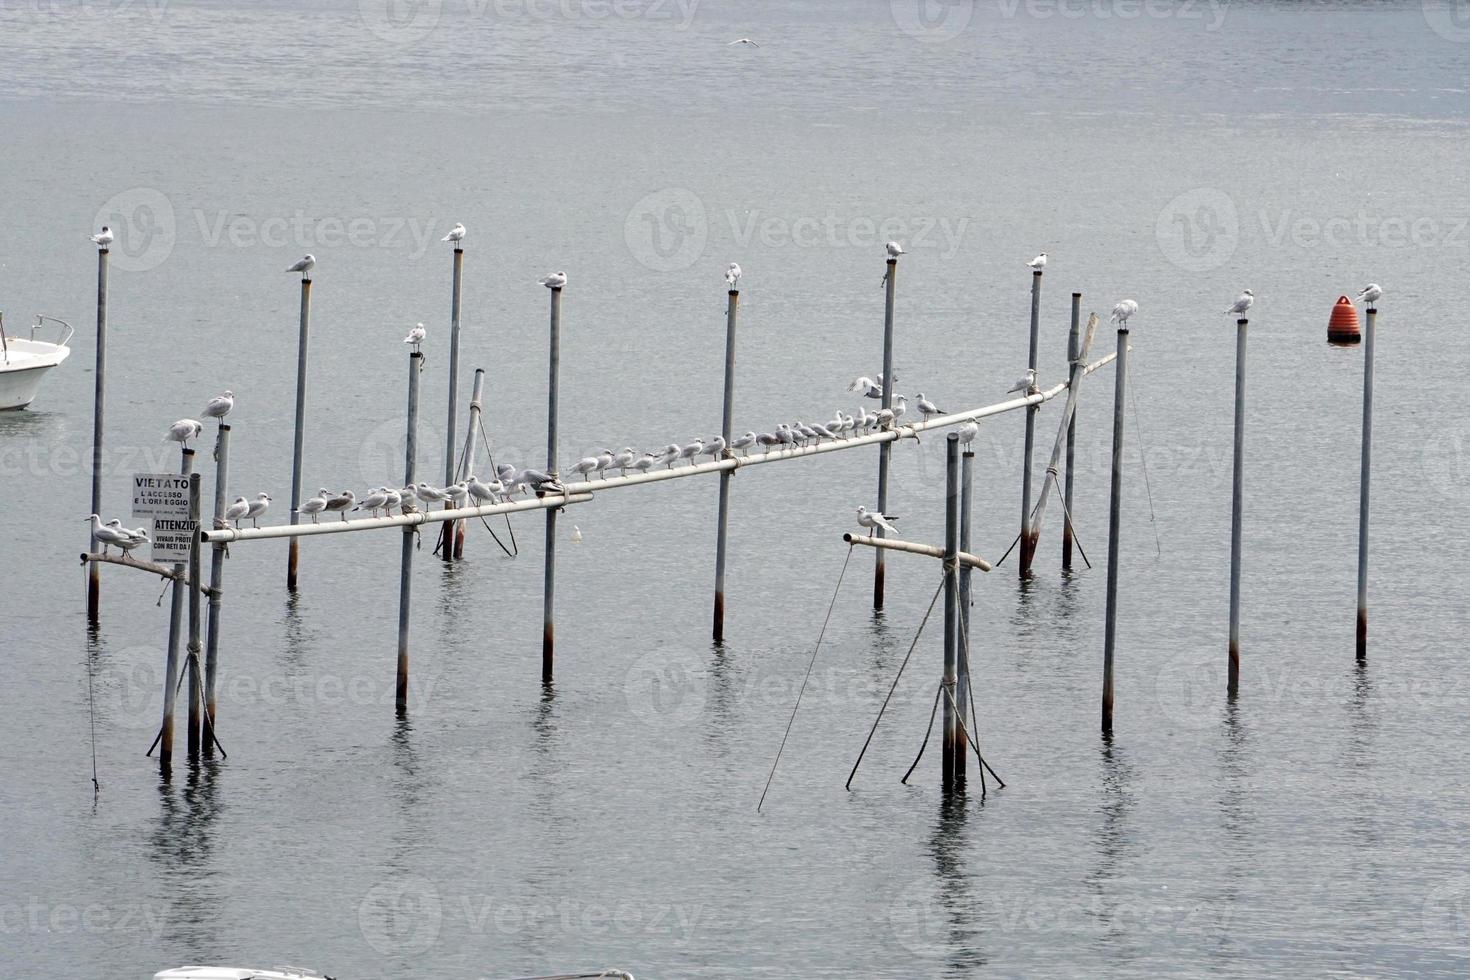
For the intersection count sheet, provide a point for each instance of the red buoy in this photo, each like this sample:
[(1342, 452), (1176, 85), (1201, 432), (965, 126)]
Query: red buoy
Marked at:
[(1342, 328)]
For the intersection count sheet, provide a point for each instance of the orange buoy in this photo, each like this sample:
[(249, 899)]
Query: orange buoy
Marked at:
[(1342, 328)]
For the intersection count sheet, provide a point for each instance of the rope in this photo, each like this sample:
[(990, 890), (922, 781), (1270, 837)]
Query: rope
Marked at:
[(514, 548), (810, 664), (927, 732), (1143, 458), (970, 690), (1067, 515), (894, 686)]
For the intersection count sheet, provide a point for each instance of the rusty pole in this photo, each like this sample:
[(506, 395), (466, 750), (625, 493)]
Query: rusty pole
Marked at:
[(171, 663), (1120, 390), (216, 584), (1237, 501), (405, 564), (962, 676), (1367, 468), (99, 392), (885, 451), (1028, 535), (1074, 351), (192, 651), (953, 746), (548, 601), (447, 537), (297, 443), (732, 305), (470, 437)]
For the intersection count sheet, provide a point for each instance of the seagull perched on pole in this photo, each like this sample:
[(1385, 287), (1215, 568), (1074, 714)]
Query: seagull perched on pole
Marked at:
[(872, 519), (240, 508), (1027, 383), (374, 501), (416, 337), (258, 506), (137, 537), (1242, 302), (341, 503), (1123, 311), (968, 432), (103, 238), (483, 493), (732, 274), (304, 265), (554, 281), (1369, 295), (1038, 263), (894, 250), (315, 505), (183, 430), (928, 408), (456, 235), (106, 534), (219, 406), (692, 450)]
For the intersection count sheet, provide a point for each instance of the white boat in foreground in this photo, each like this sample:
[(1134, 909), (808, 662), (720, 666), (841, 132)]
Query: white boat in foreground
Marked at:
[(24, 362)]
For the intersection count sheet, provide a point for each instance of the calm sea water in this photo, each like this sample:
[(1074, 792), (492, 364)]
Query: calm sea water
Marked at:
[(1173, 152)]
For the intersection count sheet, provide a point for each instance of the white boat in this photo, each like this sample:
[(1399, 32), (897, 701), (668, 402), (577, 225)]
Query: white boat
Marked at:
[(235, 973), (25, 361)]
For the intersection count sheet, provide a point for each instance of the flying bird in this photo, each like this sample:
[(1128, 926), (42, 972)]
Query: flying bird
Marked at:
[(416, 337), (554, 281), (103, 238), (741, 40), (732, 274), (872, 519), (1242, 302), (456, 235), (1038, 263), (304, 265), (1123, 311), (183, 430), (1369, 295)]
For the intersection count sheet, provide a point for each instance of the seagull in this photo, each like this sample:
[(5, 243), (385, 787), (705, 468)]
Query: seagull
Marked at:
[(741, 40), (668, 455), (103, 238), (968, 432), (183, 430), (744, 442), (732, 274), (1243, 302), (714, 447), (1123, 311), (258, 506), (928, 408), (430, 495), (585, 465), (374, 501), (416, 337), (692, 450), (1369, 295), (822, 431), (315, 505), (219, 406), (900, 406), (136, 537), (1038, 263), (105, 533), (240, 508), (576, 534), (866, 385), (872, 519), (1026, 382), (457, 494), (884, 417), (767, 440), (605, 459), (645, 462), (341, 503), (894, 250), (392, 498), (481, 492), (554, 281), (784, 435), (406, 497), (456, 235), (304, 265)]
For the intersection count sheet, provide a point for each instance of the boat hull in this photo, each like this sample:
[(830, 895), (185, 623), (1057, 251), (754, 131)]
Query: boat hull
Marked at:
[(21, 374)]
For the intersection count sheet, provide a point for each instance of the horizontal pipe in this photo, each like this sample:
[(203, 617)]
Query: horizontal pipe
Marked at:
[(163, 571), (369, 523), (913, 548)]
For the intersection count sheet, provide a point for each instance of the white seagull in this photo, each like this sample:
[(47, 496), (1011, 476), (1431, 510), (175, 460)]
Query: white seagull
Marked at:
[(1038, 263), (373, 501), (872, 519), (1123, 311), (183, 430), (240, 508), (219, 406), (456, 235), (136, 537), (741, 40), (1242, 302), (1026, 383), (483, 493), (585, 465), (315, 505), (576, 534), (304, 265), (894, 250), (743, 442), (732, 274), (106, 533), (1369, 295), (416, 337), (692, 450), (457, 494), (928, 408), (258, 506), (968, 432), (867, 386), (341, 503), (554, 281), (103, 238)]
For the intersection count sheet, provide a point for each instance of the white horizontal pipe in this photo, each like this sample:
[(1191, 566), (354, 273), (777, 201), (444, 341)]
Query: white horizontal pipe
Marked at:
[(914, 548), (337, 526)]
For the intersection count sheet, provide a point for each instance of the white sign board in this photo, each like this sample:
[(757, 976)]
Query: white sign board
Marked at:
[(165, 498)]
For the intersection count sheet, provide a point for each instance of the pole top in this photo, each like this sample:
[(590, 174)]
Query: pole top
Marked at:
[(952, 437), (1372, 311), (1241, 322), (734, 292), (893, 260), (188, 451), (414, 354), (1037, 274), (1076, 295)]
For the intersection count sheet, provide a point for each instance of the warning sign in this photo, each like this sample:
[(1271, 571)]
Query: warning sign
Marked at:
[(161, 495), (172, 539)]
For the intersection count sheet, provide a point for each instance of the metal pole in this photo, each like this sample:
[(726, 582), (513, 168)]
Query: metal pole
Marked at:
[(962, 677), (885, 451), (216, 583), (405, 565), (470, 438), (448, 534), (1363, 485), (1114, 515), (1074, 342), (952, 744), (296, 446), (731, 307), (171, 664), (1237, 501), (196, 562), (1028, 536), (548, 617), (99, 393)]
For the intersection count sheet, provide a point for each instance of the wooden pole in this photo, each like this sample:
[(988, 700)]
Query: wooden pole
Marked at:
[(216, 584), (548, 600), (885, 451), (1074, 342), (298, 440), (732, 306), (1114, 521), (405, 562), (99, 399)]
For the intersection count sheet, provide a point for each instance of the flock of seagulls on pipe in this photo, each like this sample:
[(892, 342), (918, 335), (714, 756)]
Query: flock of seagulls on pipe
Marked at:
[(113, 533)]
